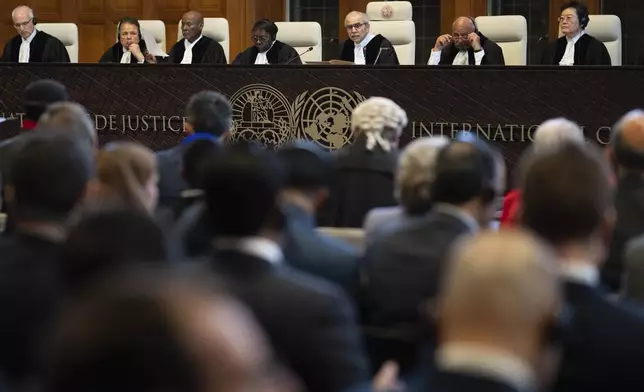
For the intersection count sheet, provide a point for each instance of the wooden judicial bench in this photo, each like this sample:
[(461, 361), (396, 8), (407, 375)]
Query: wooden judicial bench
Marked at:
[(274, 104)]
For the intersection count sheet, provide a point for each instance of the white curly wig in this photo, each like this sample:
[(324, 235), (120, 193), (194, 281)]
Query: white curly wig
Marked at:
[(381, 120)]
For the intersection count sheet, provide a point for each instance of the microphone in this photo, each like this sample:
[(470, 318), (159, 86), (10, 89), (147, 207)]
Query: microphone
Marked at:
[(379, 52), (310, 49)]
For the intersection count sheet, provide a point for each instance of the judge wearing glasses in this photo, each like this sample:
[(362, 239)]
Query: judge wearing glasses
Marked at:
[(266, 48), (363, 47), (32, 45), (575, 47)]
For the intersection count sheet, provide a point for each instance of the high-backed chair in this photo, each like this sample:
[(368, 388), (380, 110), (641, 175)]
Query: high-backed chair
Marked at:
[(301, 36), (216, 29), (393, 20), (510, 32), (156, 29), (608, 29), (67, 33)]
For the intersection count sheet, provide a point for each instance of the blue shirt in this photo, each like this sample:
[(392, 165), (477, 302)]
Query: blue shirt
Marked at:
[(199, 136)]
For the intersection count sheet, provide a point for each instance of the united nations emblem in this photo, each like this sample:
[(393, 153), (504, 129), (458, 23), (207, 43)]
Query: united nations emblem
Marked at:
[(325, 116), (262, 113)]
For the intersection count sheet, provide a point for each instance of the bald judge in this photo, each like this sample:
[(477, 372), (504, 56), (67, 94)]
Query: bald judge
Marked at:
[(196, 48), (364, 48), (466, 45), (32, 45)]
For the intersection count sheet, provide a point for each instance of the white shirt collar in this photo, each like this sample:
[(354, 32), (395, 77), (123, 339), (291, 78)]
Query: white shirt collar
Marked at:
[(31, 36), (579, 271), (259, 247), (365, 41), (486, 361), (189, 44), (458, 213), (576, 37)]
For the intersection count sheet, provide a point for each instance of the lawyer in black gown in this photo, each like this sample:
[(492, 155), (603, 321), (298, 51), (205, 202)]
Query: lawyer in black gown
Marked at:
[(131, 48), (575, 47), (40, 46), (196, 48), (364, 48), (266, 48)]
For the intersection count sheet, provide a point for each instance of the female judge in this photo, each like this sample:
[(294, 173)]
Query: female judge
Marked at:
[(131, 47), (575, 47)]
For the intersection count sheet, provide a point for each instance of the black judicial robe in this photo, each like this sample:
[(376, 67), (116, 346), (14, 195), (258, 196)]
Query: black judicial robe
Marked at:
[(44, 48), (588, 51), (387, 57), (206, 51), (493, 53), (114, 54), (280, 53)]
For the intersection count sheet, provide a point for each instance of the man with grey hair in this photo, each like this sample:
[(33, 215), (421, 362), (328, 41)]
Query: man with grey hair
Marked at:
[(209, 116), (499, 303), (413, 181), (32, 45), (364, 48)]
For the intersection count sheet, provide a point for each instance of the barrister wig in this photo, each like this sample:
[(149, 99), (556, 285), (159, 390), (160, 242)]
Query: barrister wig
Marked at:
[(381, 120)]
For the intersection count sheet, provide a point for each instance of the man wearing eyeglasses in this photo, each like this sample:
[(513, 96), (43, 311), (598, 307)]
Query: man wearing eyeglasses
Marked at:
[(266, 48), (465, 46), (575, 47), (31, 45), (364, 48)]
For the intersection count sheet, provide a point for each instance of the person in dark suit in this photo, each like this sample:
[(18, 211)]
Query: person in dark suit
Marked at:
[(309, 321), (364, 48), (575, 47), (465, 46), (627, 158), (364, 177), (194, 47), (499, 315), (32, 45), (266, 48), (307, 187), (567, 200), (409, 261), (209, 116), (49, 177)]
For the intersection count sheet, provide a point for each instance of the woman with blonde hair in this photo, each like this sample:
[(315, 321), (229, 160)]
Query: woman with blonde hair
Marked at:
[(127, 176)]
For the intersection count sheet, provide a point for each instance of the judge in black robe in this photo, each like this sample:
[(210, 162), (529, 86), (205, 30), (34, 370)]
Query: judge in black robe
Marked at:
[(378, 49), (266, 48), (204, 50), (128, 32), (466, 45), (588, 50), (44, 48), (493, 53)]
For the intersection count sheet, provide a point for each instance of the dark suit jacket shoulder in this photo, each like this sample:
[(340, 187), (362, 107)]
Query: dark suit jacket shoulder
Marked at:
[(588, 51), (386, 56), (171, 182), (280, 53), (310, 322), (493, 53), (460, 382)]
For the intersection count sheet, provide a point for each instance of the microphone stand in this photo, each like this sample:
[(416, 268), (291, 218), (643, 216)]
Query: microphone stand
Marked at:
[(299, 55)]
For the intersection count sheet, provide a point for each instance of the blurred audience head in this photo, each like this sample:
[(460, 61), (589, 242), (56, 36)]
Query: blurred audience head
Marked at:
[(242, 189), (555, 132), (48, 178), (148, 330), (73, 118), (127, 175), (380, 122), (567, 198), (209, 112), (108, 240), (39, 95), (627, 144), (309, 171), (195, 156), (469, 175), (500, 292), (416, 173)]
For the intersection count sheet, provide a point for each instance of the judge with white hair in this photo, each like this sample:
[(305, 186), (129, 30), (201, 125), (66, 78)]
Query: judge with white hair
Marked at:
[(414, 177), (133, 46), (32, 45), (499, 315), (551, 134), (363, 47), (365, 169)]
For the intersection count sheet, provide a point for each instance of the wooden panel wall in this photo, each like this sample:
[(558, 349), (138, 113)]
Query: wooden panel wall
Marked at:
[(97, 19), (452, 9)]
